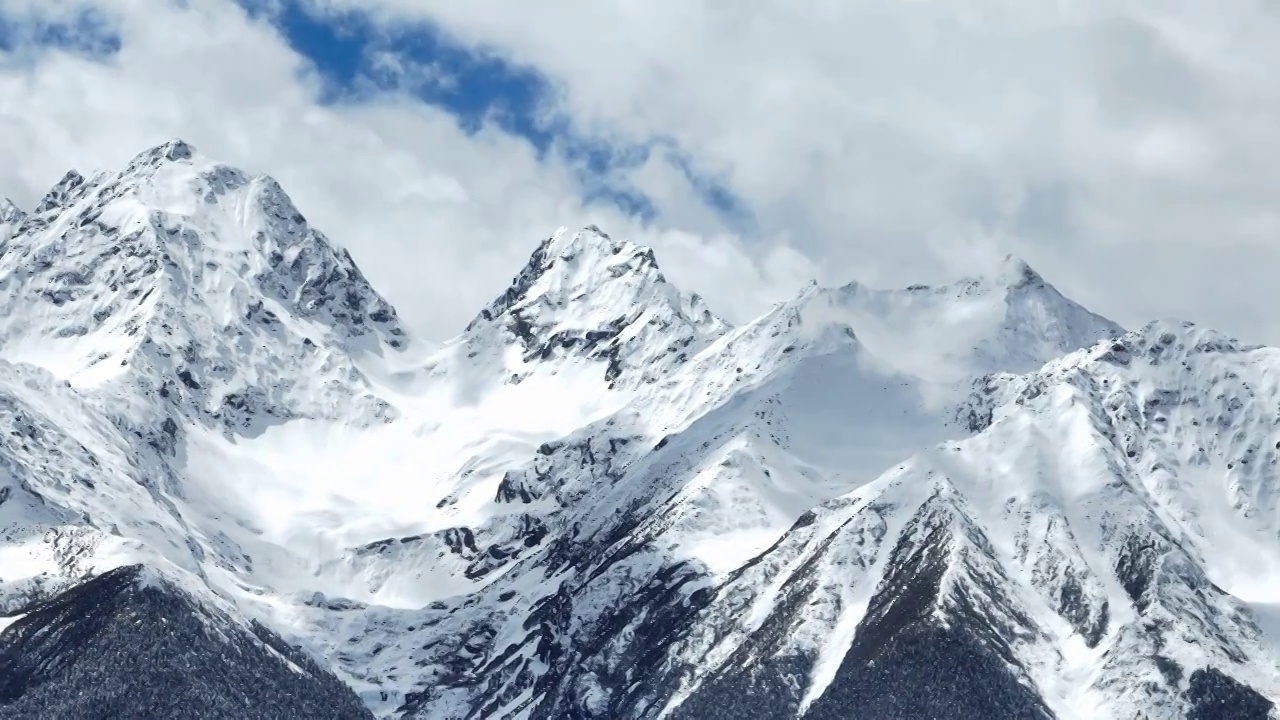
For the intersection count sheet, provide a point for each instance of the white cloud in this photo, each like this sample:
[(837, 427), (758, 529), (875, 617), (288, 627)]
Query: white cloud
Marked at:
[(439, 219), (415, 77), (1129, 148)]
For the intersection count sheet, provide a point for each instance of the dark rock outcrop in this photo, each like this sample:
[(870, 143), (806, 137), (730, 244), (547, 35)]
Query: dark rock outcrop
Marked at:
[(125, 646)]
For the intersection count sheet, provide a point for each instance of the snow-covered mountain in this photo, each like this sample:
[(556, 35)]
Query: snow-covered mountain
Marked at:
[(601, 500)]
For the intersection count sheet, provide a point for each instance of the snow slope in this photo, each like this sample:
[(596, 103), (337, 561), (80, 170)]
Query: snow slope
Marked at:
[(601, 500)]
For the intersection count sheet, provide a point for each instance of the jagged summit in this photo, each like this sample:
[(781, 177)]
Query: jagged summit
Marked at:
[(175, 149), (9, 212), (62, 192), (1010, 273), (585, 294), (190, 220), (1014, 273), (1009, 319), (196, 280), (591, 269), (601, 501), (154, 158), (11, 216)]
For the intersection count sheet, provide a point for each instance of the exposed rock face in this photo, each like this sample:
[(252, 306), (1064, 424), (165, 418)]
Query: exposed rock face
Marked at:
[(600, 500), (129, 644)]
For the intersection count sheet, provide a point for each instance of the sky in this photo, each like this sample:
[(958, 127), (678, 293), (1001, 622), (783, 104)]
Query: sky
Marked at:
[(1129, 150)]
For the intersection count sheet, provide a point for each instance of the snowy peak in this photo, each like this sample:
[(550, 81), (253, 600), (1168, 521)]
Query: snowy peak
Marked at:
[(154, 158), (552, 267), (589, 273), (74, 187), (586, 295), (1009, 320), (1010, 275), (201, 232), (175, 149), (196, 281), (63, 192), (1014, 273), (10, 214), (599, 500)]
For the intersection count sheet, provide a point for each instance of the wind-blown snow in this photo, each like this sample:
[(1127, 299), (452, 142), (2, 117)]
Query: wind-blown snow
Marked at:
[(602, 499)]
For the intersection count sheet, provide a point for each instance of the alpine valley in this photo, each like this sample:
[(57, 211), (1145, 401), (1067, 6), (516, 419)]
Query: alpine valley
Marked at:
[(233, 485)]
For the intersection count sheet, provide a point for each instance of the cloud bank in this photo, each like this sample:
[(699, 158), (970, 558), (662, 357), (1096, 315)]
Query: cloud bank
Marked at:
[(1126, 149)]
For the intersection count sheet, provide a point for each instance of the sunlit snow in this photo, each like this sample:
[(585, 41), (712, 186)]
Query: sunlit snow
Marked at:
[(195, 378)]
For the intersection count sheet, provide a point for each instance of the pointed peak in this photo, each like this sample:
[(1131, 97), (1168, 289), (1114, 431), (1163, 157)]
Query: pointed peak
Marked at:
[(567, 244), (1009, 273), (813, 289), (204, 221), (175, 150), (573, 263), (10, 214), (585, 295), (61, 191), (1014, 272)]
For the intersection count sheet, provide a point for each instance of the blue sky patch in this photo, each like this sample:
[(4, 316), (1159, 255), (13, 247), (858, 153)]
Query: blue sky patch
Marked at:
[(356, 56), (87, 33)]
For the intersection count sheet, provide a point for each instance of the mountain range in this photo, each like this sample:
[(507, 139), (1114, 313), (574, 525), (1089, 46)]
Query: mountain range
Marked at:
[(233, 483)]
